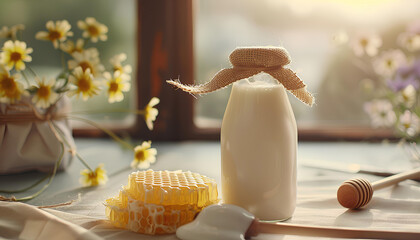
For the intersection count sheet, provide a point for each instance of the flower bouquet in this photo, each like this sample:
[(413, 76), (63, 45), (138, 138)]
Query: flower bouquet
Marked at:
[(393, 85), (35, 110)]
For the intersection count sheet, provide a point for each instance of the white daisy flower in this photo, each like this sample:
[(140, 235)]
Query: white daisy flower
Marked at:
[(144, 155), (84, 83), (45, 94), (93, 29), (6, 32), (150, 113), (116, 62), (57, 32), (70, 47), (15, 53), (87, 59), (11, 90), (116, 84)]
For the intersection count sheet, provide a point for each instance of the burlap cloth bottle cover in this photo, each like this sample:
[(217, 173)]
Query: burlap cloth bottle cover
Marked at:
[(247, 62)]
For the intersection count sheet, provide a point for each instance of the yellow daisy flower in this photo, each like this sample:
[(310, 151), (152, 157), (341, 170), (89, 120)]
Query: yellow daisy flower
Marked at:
[(45, 94), (58, 31), (15, 54), (85, 85), (93, 29), (144, 155), (95, 178), (70, 47), (117, 66), (88, 58), (11, 90), (150, 113), (11, 32), (117, 84)]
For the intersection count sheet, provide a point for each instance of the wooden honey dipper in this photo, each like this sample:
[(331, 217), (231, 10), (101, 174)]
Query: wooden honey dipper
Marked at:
[(356, 193)]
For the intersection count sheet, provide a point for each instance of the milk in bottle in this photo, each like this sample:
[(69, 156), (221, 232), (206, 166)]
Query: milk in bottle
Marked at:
[(258, 148)]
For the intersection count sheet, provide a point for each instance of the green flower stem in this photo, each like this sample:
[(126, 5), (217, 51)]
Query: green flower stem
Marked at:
[(70, 147), (63, 60), (57, 164), (51, 176), (26, 78), (415, 154), (138, 112), (83, 162), (32, 71), (111, 134), (64, 76), (27, 188)]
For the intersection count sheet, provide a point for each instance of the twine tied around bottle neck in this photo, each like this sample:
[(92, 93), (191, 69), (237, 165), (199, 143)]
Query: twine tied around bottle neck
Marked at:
[(25, 112), (247, 62)]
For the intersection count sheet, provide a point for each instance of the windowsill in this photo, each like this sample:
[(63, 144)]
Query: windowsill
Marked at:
[(204, 157)]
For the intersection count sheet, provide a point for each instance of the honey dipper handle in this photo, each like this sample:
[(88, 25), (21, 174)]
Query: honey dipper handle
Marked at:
[(331, 232), (386, 182)]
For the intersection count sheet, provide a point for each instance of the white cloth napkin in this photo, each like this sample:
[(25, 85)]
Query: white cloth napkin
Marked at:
[(26, 222), (22, 221)]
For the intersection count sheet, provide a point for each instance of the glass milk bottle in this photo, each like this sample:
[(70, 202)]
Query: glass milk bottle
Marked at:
[(258, 147)]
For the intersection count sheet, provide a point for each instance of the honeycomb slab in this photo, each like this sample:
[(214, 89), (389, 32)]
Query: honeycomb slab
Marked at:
[(158, 202)]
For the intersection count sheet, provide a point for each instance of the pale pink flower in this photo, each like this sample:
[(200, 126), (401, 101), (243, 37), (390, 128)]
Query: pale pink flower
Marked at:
[(388, 62), (409, 41), (367, 43), (381, 113), (408, 96), (340, 37), (409, 123)]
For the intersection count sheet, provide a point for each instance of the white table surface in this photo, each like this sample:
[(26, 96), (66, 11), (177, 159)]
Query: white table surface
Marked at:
[(395, 208)]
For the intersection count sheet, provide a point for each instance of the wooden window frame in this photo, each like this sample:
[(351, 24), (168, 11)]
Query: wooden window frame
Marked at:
[(165, 50)]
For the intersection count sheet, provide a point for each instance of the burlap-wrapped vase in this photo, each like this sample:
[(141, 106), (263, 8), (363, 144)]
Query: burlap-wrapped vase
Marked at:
[(27, 141)]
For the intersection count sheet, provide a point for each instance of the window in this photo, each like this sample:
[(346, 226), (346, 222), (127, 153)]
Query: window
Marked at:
[(313, 32), (192, 40)]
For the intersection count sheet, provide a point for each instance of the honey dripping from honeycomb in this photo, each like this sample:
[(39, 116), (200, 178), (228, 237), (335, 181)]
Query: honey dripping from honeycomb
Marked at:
[(158, 202)]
